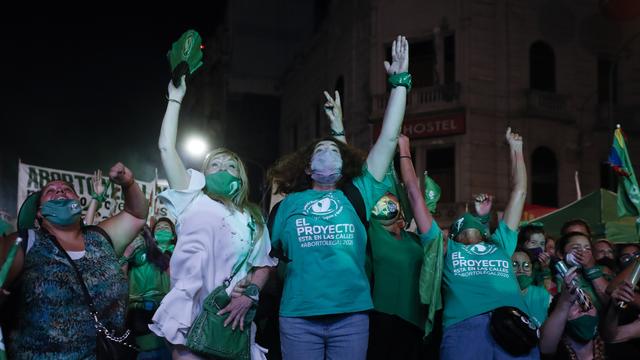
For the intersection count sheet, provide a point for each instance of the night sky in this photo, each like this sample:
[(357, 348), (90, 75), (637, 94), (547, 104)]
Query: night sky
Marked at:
[(80, 93)]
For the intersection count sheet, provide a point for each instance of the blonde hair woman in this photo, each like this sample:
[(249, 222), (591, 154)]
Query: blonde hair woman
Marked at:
[(220, 233)]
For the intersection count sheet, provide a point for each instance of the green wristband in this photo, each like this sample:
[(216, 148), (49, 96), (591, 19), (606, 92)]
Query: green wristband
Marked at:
[(123, 261), (400, 79), (100, 198), (252, 292), (593, 273)]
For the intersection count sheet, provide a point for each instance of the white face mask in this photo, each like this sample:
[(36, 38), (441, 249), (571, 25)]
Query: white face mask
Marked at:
[(326, 167)]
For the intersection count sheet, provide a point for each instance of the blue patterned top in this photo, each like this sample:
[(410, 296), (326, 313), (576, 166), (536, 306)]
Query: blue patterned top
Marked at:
[(54, 320)]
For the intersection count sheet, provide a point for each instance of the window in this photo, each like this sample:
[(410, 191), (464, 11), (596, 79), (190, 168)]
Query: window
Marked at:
[(449, 59), (542, 67), (604, 82), (441, 166), (544, 170)]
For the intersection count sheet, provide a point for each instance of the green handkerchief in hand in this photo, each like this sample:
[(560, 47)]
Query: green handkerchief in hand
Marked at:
[(185, 56), (431, 193)]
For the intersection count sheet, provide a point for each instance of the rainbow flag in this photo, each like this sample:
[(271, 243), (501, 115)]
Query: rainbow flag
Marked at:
[(628, 203)]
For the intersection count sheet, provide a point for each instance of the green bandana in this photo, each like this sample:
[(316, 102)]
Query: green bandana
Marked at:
[(185, 56), (467, 221), (431, 193), (524, 281), (584, 328)]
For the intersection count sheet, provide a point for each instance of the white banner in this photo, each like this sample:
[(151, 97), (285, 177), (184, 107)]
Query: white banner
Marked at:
[(32, 178)]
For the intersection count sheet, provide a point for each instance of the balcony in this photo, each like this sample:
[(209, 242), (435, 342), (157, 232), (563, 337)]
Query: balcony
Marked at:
[(423, 99), (548, 105)]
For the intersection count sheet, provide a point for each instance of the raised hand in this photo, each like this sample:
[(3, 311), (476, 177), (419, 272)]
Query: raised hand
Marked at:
[(96, 181), (177, 93), (404, 146), (399, 57), (121, 175), (333, 109), (483, 204), (514, 140)]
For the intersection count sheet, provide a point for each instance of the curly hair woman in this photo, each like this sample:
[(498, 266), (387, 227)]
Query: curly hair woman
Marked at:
[(318, 228)]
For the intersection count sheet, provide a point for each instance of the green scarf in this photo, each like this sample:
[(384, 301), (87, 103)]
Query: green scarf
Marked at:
[(431, 279)]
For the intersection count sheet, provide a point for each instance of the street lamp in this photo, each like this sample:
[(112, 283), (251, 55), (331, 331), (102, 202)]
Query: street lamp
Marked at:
[(196, 146)]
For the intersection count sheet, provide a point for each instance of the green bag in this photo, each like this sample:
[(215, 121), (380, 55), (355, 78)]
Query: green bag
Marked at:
[(208, 336)]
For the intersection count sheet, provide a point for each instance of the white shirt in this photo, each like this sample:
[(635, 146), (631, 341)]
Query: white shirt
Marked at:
[(211, 240)]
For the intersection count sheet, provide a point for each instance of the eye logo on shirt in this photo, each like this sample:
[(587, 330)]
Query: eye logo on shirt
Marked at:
[(480, 249), (322, 207)]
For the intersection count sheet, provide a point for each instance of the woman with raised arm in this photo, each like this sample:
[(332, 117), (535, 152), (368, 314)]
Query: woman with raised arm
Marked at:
[(220, 232), (319, 227), (478, 276), (53, 315)]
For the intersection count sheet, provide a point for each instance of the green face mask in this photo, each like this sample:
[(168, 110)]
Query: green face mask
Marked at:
[(163, 236), (524, 281), (222, 183), (584, 328), (63, 212)]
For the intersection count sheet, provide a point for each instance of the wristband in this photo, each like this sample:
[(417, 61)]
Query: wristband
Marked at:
[(405, 157), (252, 291), (100, 198), (593, 273), (335, 133), (400, 79), (123, 261)]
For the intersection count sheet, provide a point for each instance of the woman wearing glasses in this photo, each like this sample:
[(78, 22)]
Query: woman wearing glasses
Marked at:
[(536, 298)]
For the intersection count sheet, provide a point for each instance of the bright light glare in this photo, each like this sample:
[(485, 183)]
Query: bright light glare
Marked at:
[(196, 146)]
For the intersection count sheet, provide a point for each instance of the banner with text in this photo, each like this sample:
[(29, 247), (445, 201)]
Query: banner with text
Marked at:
[(32, 178)]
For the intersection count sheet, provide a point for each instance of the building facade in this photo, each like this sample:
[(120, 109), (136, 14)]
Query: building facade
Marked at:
[(561, 74)]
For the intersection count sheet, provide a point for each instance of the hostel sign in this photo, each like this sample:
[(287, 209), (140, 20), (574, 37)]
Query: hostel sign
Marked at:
[(428, 126)]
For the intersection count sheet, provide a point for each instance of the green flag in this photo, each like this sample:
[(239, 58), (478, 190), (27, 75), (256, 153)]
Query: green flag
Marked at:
[(628, 194), (4, 271), (431, 193), (185, 56)]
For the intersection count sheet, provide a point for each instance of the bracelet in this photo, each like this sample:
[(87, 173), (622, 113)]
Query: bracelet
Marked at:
[(123, 261), (335, 133), (405, 157), (252, 291), (175, 101), (593, 273), (400, 79), (100, 198)]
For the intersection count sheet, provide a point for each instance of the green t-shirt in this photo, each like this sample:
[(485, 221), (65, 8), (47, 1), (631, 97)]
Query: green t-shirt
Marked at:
[(396, 274), (146, 281), (537, 299), (322, 235), (479, 278)]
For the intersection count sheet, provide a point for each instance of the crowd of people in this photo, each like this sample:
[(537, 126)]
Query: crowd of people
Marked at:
[(333, 271)]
